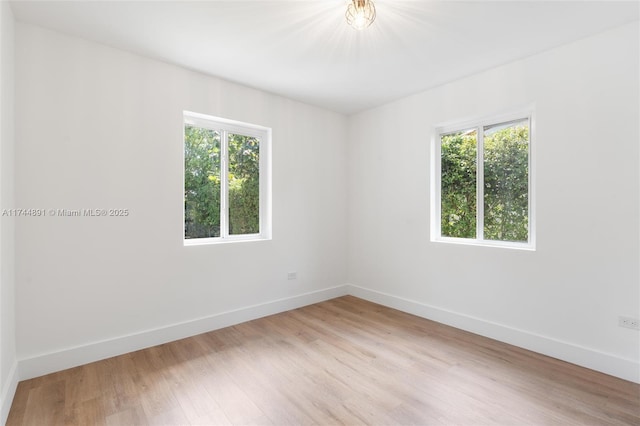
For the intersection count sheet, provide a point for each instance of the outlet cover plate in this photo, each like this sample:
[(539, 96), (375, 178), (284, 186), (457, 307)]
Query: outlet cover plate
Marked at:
[(629, 322)]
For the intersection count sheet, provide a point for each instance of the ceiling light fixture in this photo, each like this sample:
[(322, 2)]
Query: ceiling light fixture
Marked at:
[(360, 13)]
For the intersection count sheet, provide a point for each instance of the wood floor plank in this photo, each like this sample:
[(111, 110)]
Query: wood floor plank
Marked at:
[(343, 361), (86, 412), (131, 416), (45, 404)]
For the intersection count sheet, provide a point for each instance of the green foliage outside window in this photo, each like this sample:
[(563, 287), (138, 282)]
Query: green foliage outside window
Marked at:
[(506, 183), (203, 189), (202, 164), (458, 171), (244, 185)]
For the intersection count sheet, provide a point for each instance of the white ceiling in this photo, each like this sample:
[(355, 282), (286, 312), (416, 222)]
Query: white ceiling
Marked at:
[(303, 49)]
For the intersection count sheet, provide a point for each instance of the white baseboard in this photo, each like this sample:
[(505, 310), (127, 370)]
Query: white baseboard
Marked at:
[(8, 392), (627, 369), (73, 357)]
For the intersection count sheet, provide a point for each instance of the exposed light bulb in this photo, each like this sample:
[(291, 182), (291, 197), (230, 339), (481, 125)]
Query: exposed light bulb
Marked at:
[(360, 13)]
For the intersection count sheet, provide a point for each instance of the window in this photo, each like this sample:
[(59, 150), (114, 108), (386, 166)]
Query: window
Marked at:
[(226, 180), (491, 161)]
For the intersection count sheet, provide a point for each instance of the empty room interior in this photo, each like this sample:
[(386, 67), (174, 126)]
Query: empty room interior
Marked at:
[(319, 212)]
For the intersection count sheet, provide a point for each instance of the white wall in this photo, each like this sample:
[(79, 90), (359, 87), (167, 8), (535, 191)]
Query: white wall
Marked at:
[(101, 128), (563, 299), (8, 372)]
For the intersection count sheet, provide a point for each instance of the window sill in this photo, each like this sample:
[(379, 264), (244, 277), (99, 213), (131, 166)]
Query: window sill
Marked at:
[(216, 241), (493, 244)]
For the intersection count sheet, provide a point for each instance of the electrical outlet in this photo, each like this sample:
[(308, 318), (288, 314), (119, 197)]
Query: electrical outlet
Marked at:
[(292, 275), (627, 322)]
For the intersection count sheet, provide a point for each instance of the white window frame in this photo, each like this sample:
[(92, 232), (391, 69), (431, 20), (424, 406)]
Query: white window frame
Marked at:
[(436, 175), (225, 127)]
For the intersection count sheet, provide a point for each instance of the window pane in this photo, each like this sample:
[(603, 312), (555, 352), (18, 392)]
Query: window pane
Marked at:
[(244, 185), (201, 182), (458, 167), (506, 181)]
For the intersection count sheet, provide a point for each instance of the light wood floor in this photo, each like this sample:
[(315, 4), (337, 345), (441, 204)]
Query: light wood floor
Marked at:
[(345, 361)]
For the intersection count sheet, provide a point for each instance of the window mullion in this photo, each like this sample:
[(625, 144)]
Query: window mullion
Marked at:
[(224, 189), (480, 185)]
